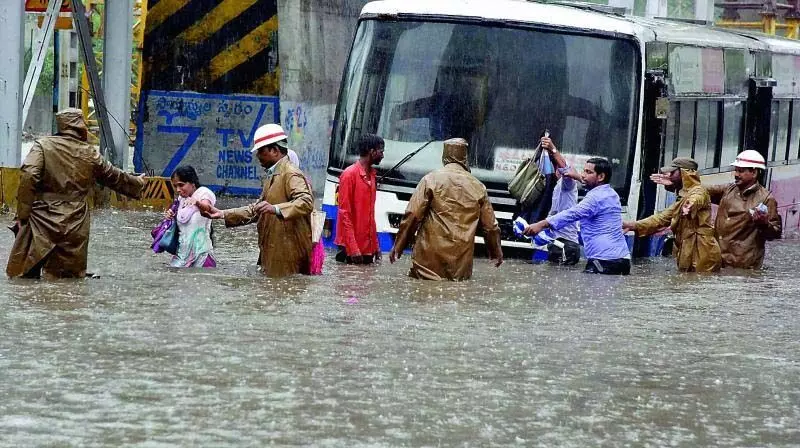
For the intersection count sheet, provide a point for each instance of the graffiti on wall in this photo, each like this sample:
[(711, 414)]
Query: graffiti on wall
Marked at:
[(213, 133), (309, 129)]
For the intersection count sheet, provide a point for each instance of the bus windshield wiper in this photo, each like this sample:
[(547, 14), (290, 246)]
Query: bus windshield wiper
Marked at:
[(404, 160)]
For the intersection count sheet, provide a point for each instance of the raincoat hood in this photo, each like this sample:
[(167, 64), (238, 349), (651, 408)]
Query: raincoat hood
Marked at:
[(689, 179), (70, 123), (455, 151)]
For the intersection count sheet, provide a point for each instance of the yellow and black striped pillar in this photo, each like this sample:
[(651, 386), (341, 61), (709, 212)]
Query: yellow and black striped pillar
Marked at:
[(212, 46)]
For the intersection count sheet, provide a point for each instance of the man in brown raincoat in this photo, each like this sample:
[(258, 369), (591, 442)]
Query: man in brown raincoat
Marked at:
[(52, 220), (689, 218), (742, 229), (447, 207), (283, 211)]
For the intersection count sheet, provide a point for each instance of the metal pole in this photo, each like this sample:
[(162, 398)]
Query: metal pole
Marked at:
[(117, 54), (82, 27), (40, 47), (56, 71), (12, 32)]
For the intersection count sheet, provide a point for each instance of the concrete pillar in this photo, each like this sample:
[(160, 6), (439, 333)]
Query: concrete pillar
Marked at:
[(704, 10), (656, 8), (117, 53), (12, 32), (68, 62), (627, 4)]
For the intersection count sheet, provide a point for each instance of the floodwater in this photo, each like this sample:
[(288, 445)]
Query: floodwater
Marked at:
[(526, 355)]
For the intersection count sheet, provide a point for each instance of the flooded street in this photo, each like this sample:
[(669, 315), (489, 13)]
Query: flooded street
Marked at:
[(527, 355)]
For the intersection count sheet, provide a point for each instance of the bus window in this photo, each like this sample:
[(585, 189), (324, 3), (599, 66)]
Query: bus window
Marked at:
[(780, 130), (686, 129), (671, 138), (732, 117), (737, 71), (706, 125)]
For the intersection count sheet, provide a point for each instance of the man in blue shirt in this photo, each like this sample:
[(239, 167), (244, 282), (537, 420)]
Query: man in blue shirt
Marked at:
[(600, 216)]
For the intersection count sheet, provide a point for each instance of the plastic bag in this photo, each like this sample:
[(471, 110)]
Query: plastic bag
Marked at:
[(165, 234), (529, 181), (169, 241)]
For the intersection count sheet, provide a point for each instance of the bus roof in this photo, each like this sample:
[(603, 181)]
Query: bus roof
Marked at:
[(583, 17), (518, 11)]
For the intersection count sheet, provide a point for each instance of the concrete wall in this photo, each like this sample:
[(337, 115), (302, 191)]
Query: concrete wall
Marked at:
[(201, 57), (210, 79), (211, 132), (314, 42), (40, 115)]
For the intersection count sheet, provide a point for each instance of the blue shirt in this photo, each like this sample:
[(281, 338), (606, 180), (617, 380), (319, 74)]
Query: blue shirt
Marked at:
[(565, 196), (600, 215)]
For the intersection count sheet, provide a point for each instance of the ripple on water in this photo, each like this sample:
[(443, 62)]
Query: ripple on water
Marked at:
[(364, 356)]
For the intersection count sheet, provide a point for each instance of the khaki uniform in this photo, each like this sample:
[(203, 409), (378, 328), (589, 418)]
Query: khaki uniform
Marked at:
[(447, 207), (696, 247), (284, 242), (57, 176), (741, 240)]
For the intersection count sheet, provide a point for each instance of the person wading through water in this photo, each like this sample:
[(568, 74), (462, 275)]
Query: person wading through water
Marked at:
[(689, 217), (283, 212), (447, 206), (53, 217)]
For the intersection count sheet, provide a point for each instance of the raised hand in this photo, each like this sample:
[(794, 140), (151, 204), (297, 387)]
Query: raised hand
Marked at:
[(661, 179), (547, 144)]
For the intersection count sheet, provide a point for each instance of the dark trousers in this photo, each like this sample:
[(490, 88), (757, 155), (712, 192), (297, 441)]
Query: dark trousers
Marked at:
[(342, 257), (567, 255), (620, 266)]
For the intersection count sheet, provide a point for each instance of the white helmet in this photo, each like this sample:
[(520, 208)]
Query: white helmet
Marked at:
[(267, 135), (750, 159)]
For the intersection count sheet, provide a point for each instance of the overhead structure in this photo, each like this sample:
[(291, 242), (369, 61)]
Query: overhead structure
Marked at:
[(107, 147), (774, 18)]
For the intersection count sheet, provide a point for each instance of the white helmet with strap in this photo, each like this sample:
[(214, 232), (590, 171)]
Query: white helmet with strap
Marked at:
[(750, 159)]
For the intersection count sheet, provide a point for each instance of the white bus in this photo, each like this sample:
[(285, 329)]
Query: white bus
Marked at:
[(636, 91)]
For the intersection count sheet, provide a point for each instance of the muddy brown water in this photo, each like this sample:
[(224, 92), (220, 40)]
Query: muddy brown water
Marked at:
[(526, 355)]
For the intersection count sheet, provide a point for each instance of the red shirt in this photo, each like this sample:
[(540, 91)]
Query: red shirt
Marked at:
[(355, 225)]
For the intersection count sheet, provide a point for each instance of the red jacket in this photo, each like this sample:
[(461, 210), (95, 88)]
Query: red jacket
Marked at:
[(355, 226)]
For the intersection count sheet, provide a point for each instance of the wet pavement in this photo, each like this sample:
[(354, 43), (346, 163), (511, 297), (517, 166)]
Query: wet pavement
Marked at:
[(147, 355)]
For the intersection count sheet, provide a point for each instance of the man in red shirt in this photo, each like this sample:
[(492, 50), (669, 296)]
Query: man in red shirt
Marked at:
[(356, 232)]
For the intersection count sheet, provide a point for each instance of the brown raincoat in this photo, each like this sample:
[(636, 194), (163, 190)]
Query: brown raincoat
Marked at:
[(447, 207), (284, 242), (57, 176), (741, 240), (696, 247)]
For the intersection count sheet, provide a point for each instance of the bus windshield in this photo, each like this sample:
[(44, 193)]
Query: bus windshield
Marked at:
[(498, 87)]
